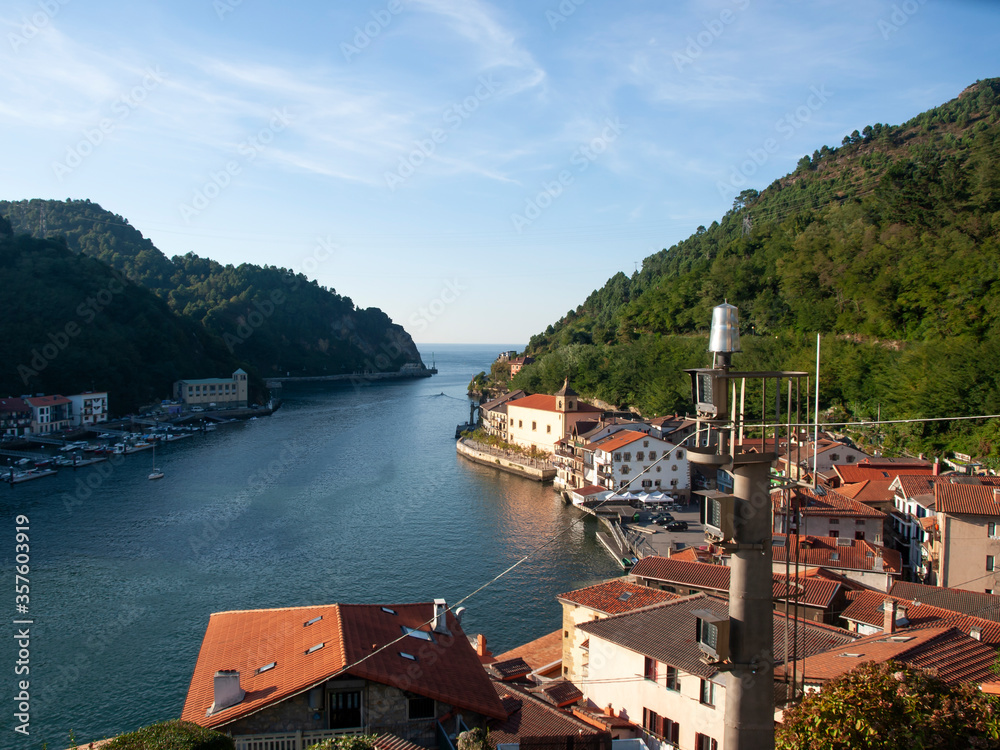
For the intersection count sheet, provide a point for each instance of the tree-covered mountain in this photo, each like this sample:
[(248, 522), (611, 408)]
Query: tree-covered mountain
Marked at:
[(888, 245), (275, 320), (70, 323)]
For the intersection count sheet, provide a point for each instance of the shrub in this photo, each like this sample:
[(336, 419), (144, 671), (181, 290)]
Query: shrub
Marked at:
[(172, 735)]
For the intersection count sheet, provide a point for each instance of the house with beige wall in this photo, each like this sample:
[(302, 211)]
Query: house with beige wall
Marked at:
[(539, 421), (221, 392), (966, 539)]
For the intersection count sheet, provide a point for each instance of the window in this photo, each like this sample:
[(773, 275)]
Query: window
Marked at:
[(704, 742), (645, 443), (618, 457), (708, 692), (548, 428), (657, 482), (991, 529), (649, 669), (652, 455), (989, 562), (647, 483), (345, 709), (628, 456), (673, 679), (640, 456), (859, 522), (625, 470), (661, 726), (859, 535), (420, 708), (834, 521), (834, 534), (673, 467), (658, 468), (520, 423), (835, 456), (679, 454)]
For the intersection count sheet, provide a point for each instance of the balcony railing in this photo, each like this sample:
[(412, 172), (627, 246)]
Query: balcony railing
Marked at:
[(426, 733)]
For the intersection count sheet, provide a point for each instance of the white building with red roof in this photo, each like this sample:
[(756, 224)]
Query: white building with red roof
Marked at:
[(540, 421), (640, 463), (50, 414), (965, 534), (859, 560), (826, 513)]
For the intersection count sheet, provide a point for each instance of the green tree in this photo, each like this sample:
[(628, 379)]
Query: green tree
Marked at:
[(887, 707)]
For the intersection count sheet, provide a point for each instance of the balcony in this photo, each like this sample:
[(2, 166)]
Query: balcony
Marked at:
[(427, 733)]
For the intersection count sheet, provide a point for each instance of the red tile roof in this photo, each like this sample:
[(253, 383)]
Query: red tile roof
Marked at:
[(813, 591), (394, 742), (559, 693), (955, 657), (14, 405), (913, 486), (957, 600), (616, 596), (618, 440), (881, 468), (544, 402), (529, 716), (667, 632), (967, 499), (829, 503), (510, 669), (538, 653), (869, 491), (867, 608), (825, 552), (48, 400), (351, 636)]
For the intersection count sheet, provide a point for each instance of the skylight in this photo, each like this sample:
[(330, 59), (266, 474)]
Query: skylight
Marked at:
[(267, 667), (421, 634), (625, 596), (405, 655), (854, 656), (312, 621), (317, 647), (388, 611)]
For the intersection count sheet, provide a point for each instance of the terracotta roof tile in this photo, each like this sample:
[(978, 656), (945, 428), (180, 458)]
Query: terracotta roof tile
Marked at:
[(967, 499), (394, 742), (912, 486), (538, 653), (543, 402), (956, 657), (510, 669), (616, 596), (829, 503), (958, 600), (825, 552), (250, 639), (887, 469), (813, 591), (618, 440), (667, 632), (867, 607), (529, 716), (559, 693)]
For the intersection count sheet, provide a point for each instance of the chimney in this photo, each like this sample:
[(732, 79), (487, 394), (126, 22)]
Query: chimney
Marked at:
[(608, 710), (936, 470), (227, 690), (889, 620), (481, 645), (439, 622), (976, 632)]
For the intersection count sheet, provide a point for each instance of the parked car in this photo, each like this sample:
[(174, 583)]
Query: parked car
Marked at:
[(664, 519), (677, 526)]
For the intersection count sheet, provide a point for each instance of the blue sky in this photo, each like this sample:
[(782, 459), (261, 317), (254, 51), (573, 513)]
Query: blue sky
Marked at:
[(474, 169)]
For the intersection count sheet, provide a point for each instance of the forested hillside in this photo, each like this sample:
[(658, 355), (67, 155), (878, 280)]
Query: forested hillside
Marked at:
[(271, 318), (888, 245), (70, 323)]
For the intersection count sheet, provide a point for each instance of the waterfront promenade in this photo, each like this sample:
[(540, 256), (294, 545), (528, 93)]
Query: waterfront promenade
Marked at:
[(509, 461)]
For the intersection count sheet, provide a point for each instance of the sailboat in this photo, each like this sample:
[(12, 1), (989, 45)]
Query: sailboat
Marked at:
[(155, 473)]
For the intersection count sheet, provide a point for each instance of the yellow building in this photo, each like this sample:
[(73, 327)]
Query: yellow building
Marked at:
[(213, 392), (540, 421)]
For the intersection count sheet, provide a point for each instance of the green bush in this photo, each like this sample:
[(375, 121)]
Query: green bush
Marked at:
[(172, 735), (347, 742)]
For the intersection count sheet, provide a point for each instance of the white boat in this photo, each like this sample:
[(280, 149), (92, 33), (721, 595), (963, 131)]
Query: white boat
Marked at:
[(155, 473)]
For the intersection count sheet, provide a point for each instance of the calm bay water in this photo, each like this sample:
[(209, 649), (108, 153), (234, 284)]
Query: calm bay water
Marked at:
[(344, 495)]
